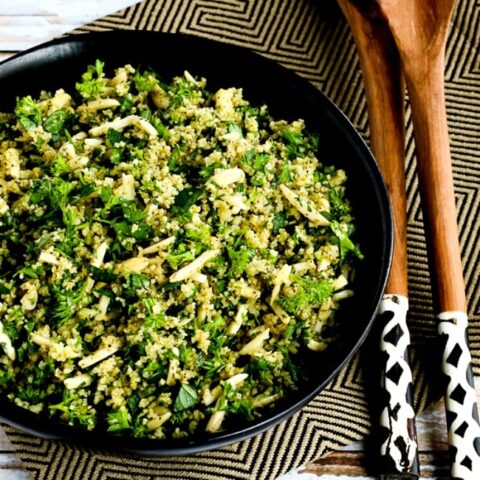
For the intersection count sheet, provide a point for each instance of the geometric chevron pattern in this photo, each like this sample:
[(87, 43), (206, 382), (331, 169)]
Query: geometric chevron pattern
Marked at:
[(312, 39)]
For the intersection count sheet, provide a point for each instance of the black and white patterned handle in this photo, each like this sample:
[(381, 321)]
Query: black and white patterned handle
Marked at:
[(399, 450), (460, 397)]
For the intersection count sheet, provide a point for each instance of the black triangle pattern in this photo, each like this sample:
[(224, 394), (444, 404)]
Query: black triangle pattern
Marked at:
[(311, 38)]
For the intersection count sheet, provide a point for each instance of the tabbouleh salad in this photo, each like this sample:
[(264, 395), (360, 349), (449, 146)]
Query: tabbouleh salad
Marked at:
[(165, 252)]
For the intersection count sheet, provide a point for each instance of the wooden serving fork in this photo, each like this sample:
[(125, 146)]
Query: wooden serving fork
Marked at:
[(420, 29), (384, 90)]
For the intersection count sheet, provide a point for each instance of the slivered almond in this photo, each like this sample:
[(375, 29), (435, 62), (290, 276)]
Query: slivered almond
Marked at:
[(280, 313), (263, 402), (82, 380), (316, 346), (41, 340), (339, 283), (342, 295), (283, 276), (157, 246), (211, 395), (101, 104), (158, 422), (121, 123), (118, 78), (100, 355), (194, 266), (215, 422), (199, 277), (226, 176), (6, 342), (127, 188), (304, 206), (256, 344), (135, 264), (100, 255), (237, 379), (47, 257), (235, 326), (236, 202)]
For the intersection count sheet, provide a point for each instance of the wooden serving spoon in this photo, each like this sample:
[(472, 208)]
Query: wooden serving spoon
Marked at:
[(384, 90), (420, 29)]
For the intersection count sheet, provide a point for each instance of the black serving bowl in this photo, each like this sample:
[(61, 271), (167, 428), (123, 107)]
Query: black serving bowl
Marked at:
[(60, 63)]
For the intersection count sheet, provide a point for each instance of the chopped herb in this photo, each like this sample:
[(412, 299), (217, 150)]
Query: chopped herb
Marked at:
[(93, 83), (118, 420), (66, 301), (144, 82), (75, 412), (180, 91), (339, 206), (180, 256), (285, 174), (310, 293), (102, 274), (298, 144), (114, 137), (239, 259), (187, 397), (28, 112), (254, 164), (59, 166), (185, 199), (154, 371), (28, 271), (133, 285), (279, 221), (344, 241), (55, 123)]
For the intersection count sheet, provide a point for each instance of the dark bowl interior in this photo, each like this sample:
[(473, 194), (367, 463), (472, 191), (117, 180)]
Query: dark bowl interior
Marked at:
[(59, 64)]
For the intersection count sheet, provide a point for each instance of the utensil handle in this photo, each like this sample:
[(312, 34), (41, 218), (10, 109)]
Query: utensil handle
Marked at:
[(436, 187), (399, 449), (384, 89), (460, 397), (429, 115)]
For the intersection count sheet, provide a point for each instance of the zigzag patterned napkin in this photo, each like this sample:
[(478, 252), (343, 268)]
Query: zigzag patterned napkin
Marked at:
[(312, 39)]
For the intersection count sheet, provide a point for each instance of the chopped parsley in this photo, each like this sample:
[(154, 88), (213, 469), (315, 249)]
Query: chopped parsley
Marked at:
[(185, 199), (310, 293), (92, 84)]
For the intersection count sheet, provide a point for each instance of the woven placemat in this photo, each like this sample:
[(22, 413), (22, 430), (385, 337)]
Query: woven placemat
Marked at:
[(311, 38)]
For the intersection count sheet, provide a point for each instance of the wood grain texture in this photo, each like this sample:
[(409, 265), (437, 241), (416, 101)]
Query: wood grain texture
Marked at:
[(436, 465), (420, 31), (20, 33), (11, 467), (384, 89), (5, 445), (433, 446), (25, 23)]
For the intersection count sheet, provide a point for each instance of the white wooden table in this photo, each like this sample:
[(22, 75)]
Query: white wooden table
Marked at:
[(24, 23)]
